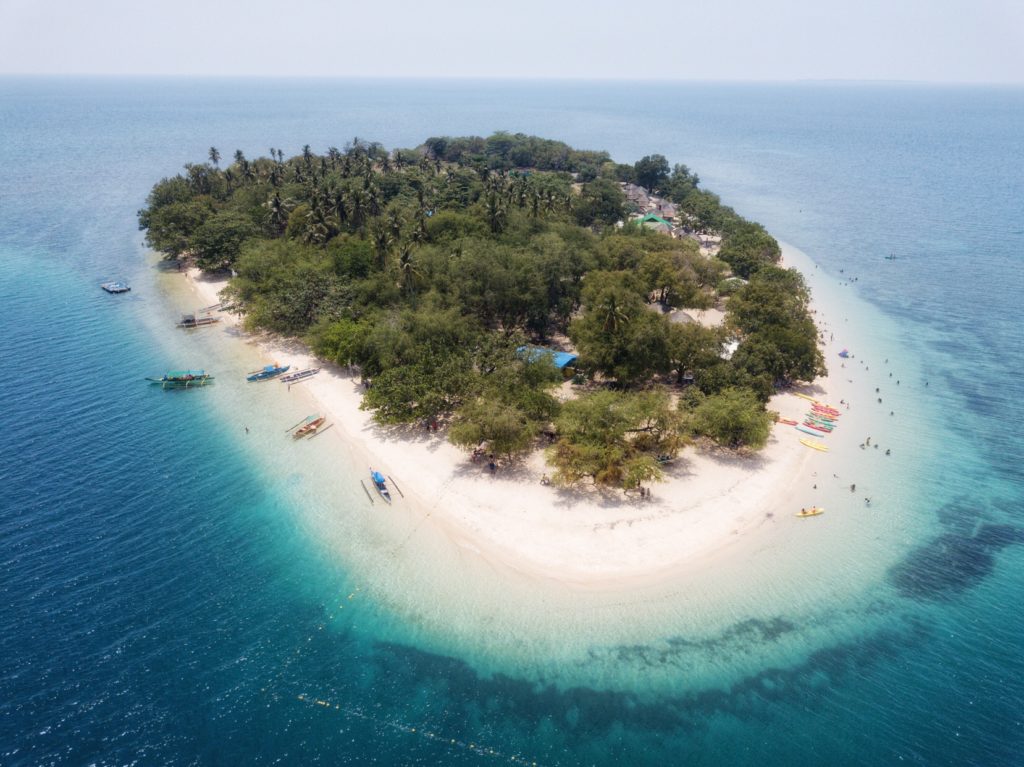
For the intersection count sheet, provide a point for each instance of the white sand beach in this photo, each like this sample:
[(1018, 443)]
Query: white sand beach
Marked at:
[(586, 537)]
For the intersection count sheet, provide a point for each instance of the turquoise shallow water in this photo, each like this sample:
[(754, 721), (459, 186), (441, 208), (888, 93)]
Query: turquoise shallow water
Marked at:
[(166, 600)]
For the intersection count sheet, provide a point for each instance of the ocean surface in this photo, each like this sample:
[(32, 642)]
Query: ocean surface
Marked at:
[(174, 591)]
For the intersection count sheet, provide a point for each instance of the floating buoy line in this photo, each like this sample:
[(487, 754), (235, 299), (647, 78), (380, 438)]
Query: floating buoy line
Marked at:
[(440, 738), (437, 737)]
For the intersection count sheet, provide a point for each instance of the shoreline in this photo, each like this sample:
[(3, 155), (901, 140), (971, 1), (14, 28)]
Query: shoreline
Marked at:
[(588, 539)]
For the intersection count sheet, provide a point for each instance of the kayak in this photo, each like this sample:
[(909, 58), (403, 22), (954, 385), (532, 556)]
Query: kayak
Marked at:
[(812, 433), (811, 512), (814, 445), (817, 427), (786, 421), (804, 396)]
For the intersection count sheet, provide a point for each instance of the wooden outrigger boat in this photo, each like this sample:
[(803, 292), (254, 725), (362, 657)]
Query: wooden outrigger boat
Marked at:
[(191, 321), (183, 379), (267, 372), (380, 484), (299, 375), (310, 427)]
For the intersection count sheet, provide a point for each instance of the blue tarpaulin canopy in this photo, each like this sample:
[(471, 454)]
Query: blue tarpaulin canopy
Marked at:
[(561, 359)]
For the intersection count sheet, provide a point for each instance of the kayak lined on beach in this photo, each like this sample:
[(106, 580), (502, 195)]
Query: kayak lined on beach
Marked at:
[(814, 445)]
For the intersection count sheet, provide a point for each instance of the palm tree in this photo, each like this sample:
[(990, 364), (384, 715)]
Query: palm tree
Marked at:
[(214, 156), (317, 230), (382, 242), (611, 313), (307, 155), (373, 199), (279, 210), (336, 204), (496, 213), (409, 273), (395, 224), (239, 156)]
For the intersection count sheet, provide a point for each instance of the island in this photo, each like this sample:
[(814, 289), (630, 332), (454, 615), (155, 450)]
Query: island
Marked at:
[(578, 328)]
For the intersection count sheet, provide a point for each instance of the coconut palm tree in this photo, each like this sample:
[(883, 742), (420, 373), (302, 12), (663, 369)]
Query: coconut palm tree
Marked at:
[(239, 156), (612, 316), (279, 210), (382, 242), (214, 156), (496, 212), (408, 270), (317, 229)]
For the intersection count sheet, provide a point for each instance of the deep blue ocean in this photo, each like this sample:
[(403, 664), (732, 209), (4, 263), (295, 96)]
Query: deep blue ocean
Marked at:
[(160, 605)]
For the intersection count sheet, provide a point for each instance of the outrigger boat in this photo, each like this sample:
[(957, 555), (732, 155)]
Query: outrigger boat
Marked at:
[(811, 512), (116, 287), (191, 321), (310, 427), (268, 372), (299, 375), (183, 379), (380, 484)]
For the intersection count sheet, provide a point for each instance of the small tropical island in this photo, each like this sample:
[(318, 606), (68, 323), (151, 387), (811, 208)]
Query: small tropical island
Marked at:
[(563, 320)]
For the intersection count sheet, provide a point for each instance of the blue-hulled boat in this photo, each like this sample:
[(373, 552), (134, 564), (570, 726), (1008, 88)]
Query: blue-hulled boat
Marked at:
[(380, 484), (268, 372)]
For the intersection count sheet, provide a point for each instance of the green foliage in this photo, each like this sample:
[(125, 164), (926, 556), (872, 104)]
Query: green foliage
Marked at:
[(693, 349), (779, 338), (601, 203), (733, 418), (749, 248), (170, 228), (615, 438), (652, 171), (218, 241), (426, 266), (617, 335)]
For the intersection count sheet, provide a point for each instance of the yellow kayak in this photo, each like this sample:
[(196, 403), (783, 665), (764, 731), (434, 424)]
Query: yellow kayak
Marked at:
[(804, 396), (811, 512), (815, 445)]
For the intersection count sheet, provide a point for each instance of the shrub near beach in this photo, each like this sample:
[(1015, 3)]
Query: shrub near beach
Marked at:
[(431, 268)]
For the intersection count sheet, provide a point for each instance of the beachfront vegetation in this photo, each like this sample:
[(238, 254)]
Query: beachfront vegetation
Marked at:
[(429, 268)]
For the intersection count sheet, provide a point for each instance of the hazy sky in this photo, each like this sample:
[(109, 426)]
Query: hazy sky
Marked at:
[(932, 40)]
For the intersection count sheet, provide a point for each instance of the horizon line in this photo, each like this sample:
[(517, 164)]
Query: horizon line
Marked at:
[(510, 79)]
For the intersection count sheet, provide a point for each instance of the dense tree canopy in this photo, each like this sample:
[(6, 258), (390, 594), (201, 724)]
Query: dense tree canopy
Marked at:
[(429, 267)]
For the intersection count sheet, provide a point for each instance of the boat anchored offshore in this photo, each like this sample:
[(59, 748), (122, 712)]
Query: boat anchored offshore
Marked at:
[(268, 372), (116, 287), (183, 379), (380, 484)]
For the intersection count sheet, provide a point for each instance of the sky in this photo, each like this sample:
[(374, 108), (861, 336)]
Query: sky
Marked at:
[(958, 41)]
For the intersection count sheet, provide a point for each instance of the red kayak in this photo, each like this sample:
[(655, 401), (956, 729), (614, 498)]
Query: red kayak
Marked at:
[(818, 426)]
